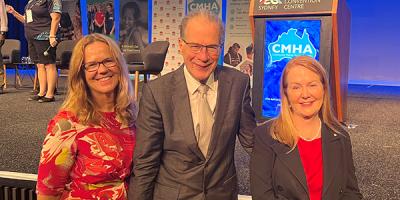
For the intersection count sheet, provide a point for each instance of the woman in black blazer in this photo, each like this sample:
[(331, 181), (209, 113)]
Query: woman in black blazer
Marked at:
[(304, 153)]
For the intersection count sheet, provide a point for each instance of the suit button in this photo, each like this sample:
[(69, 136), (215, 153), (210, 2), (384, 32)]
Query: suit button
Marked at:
[(340, 191), (280, 188)]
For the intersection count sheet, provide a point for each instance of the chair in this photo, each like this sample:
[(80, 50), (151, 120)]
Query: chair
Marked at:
[(135, 63), (63, 56), (11, 54), (150, 61)]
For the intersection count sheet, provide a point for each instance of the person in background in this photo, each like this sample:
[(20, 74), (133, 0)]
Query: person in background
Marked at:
[(66, 28), (99, 19), (188, 122), (3, 31), (88, 149), (233, 57), (109, 24), (250, 52), (248, 68), (41, 21), (304, 153), (90, 17)]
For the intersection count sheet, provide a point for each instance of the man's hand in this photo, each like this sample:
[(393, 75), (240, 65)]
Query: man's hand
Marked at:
[(2, 37)]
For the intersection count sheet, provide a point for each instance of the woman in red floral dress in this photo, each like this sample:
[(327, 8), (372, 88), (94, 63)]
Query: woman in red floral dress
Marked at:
[(87, 152)]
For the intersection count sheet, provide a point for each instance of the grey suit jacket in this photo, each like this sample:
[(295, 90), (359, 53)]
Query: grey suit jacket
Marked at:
[(168, 163), (276, 174)]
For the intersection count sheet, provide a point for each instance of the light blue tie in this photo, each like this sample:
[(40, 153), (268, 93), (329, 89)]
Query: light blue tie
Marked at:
[(205, 118)]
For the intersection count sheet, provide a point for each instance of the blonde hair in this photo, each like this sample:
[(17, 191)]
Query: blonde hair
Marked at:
[(282, 128), (79, 100)]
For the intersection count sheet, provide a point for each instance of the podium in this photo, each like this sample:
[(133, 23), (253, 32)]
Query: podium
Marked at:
[(283, 29)]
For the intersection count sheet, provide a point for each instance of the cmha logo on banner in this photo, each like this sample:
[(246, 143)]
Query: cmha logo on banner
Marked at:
[(210, 5), (270, 2), (290, 44)]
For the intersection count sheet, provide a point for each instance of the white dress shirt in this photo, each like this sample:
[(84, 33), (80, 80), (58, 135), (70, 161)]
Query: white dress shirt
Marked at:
[(192, 85)]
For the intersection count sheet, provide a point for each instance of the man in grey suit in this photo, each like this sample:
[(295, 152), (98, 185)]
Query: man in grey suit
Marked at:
[(188, 122)]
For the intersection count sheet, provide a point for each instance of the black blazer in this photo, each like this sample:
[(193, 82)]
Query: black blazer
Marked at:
[(168, 163), (277, 174)]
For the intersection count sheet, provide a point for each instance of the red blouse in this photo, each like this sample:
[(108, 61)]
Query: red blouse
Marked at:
[(311, 158), (100, 18), (86, 162)]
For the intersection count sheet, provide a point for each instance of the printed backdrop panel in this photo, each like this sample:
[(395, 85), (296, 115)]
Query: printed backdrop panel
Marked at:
[(133, 34), (285, 39), (100, 17), (215, 6), (238, 42), (167, 15)]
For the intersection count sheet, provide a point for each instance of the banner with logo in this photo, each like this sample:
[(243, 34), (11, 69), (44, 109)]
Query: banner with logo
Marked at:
[(100, 17), (285, 39), (167, 15), (133, 25), (270, 7), (214, 6), (238, 37)]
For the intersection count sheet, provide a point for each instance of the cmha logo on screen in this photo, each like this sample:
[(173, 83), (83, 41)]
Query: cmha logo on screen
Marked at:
[(269, 2)]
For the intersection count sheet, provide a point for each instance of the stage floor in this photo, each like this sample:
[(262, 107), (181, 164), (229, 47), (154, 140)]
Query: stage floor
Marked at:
[(372, 115)]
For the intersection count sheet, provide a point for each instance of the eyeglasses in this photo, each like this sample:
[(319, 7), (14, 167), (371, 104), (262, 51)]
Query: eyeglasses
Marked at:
[(94, 66), (196, 48)]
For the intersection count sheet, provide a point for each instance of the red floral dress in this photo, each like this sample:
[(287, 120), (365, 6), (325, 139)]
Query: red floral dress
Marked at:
[(86, 162)]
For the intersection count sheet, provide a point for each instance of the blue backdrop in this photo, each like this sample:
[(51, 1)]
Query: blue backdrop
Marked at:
[(16, 28), (374, 40)]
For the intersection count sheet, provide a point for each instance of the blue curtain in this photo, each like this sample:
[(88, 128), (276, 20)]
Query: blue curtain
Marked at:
[(16, 28)]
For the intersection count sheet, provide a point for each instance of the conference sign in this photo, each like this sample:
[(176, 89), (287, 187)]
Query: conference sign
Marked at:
[(213, 6), (285, 39)]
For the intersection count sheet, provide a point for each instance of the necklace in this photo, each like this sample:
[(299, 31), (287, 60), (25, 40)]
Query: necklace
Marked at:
[(316, 135)]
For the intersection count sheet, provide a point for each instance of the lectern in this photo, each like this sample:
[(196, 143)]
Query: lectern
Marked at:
[(283, 29)]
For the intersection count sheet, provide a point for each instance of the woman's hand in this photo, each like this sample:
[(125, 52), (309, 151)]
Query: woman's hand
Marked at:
[(55, 20), (10, 9), (53, 41)]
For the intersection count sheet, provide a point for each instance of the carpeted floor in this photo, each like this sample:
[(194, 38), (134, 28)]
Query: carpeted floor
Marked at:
[(373, 118)]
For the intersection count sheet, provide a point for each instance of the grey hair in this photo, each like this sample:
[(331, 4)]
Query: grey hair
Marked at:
[(209, 16)]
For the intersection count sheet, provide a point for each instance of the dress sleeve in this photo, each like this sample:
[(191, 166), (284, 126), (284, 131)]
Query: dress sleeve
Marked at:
[(57, 156)]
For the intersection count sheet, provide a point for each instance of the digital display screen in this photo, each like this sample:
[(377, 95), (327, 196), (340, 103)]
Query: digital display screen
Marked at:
[(285, 39)]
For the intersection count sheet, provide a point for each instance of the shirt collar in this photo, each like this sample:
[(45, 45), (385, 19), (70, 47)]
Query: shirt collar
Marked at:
[(193, 83)]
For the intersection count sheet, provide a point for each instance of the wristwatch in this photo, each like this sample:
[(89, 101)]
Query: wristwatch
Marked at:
[(2, 32)]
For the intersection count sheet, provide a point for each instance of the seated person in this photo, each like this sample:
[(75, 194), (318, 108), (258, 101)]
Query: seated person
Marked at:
[(304, 153)]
